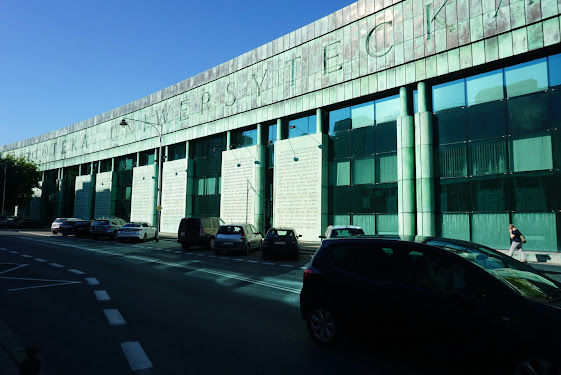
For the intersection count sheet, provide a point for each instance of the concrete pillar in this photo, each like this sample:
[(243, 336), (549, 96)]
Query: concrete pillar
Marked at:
[(279, 129), (319, 121), (228, 139), (405, 167), (259, 208), (190, 182), (424, 163)]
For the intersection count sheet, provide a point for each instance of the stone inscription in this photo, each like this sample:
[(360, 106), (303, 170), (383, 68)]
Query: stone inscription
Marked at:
[(174, 193), (143, 201), (298, 186), (237, 198), (83, 197), (103, 194)]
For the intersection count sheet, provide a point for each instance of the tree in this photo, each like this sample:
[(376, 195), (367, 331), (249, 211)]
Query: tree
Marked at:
[(22, 175)]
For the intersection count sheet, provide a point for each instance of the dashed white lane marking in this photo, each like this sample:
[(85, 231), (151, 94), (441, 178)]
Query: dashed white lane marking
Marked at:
[(287, 265), (92, 281), (252, 261), (40, 260), (25, 256), (77, 272), (138, 360), (114, 317), (3, 248), (268, 263), (14, 252), (56, 265), (238, 260), (101, 295)]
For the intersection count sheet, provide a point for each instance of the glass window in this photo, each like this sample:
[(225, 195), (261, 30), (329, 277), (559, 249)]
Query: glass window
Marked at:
[(526, 78), (340, 197), (272, 133), (363, 141), (340, 119), (489, 194), (363, 170), (363, 198), (386, 170), (528, 113), (366, 222), (449, 95), (455, 226), (386, 198), (415, 101), (453, 195), (486, 87), (556, 108), (302, 126), (486, 120), (387, 224), (534, 192), (177, 151), (554, 65), (244, 138), (386, 137), (488, 157), (489, 229), (105, 165), (531, 154), (147, 157), (387, 109), (539, 228), (362, 115), (340, 173), (451, 126), (452, 160), (340, 144)]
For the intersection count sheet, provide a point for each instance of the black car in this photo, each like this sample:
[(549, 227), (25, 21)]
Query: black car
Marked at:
[(281, 242), (456, 298), (198, 231), (67, 226), (82, 228)]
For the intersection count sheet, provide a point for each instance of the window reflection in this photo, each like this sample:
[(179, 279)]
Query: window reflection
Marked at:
[(485, 87), (526, 78)]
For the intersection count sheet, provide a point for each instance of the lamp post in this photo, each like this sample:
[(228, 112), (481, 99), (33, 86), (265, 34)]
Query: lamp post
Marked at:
[(159, 129), (5, 166)]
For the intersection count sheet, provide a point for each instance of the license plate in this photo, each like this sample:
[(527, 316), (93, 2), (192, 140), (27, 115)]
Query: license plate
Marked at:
[(228, 243), (182, 234), (280, 243)]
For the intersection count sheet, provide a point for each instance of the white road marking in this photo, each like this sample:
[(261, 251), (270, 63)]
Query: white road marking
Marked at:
[(268, 263), (138, 360), (25, 256), (252, 261), (200, 255), (13, 268), (40, 260), (239, 259), (92, 281), (287, 265), (3, 248), (77, 272), (102, 295), (56, 265), (58, 283), (14, 252), (114, 317)]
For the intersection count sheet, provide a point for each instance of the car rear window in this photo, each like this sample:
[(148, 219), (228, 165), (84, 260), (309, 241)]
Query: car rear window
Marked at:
[(230, 229), (280, 233), (101, 222), (131, 225), (60, 220), (347, 232), (191, 223)]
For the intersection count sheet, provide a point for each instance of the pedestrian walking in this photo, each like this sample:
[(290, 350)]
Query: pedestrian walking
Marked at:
[(516, 243)]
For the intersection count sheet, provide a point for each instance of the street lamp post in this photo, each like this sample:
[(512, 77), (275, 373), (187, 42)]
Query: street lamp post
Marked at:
[(5, 166), (159, 197)]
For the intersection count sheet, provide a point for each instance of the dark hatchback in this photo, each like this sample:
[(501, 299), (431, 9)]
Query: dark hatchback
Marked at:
[(67, 227), (82, 228), (281, 242), (474, 306)]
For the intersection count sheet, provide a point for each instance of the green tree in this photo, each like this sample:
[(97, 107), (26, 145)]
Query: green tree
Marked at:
[(22, 175)]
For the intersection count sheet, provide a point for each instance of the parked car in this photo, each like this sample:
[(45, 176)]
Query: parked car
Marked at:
[(55, 226), (4, 220), (25, 223), (136, 230), (106, 227), (342, 231), (198, 231), (67, 226), (82, 228), (238, 238), (435, 294), (281, 242)]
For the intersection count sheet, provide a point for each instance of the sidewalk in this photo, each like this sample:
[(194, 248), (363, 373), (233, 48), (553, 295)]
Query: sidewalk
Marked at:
[(11, 350)]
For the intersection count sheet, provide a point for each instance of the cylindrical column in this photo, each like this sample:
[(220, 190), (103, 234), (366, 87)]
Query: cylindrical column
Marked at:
[(424, 156), (405, 167), (319, 121), (259, 202), (190, 181), (279, 129)]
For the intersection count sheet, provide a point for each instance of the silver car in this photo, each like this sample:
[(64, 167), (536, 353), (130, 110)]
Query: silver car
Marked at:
[(55, 226), (238, 238)]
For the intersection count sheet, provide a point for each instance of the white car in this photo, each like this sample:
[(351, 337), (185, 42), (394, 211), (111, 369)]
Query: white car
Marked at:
[(335, 231), (136, 230)]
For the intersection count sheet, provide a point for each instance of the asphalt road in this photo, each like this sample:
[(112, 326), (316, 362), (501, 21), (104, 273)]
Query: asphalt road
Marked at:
[(100, 307)]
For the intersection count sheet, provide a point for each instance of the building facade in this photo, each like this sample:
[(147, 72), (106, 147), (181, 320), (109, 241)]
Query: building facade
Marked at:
[(428, 118)]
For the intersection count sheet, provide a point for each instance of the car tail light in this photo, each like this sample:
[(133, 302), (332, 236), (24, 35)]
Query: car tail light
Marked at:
[(294, 242), (137, 230), (265, 242), (202, 231), (307, 272)]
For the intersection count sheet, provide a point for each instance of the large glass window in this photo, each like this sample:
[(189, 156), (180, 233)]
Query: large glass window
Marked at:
[(526, 78), (244, 138), (340, 119), (531, 153), (486, 120), (528, 113), (362, 115), (485, 88), (449, 95), (387, 109), (147, 157), (363, 170), (451, 126), (177, 151), (302, 126), (488, 157), (554, 67)]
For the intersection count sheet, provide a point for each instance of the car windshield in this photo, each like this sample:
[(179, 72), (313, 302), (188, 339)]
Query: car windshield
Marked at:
[(230, 229), (101, 222), (347, 232), (131, 225), (59, 220), (280, 233), (522, 278)]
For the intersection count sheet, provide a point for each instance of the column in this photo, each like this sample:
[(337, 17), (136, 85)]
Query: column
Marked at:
[(190, 181), (424, 163), (259, 208), (405, 167)]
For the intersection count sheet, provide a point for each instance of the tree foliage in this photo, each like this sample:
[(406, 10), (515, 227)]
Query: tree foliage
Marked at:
[(22, 176)]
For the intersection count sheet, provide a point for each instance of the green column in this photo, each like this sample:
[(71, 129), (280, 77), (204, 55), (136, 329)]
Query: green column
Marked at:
[(279, 129), (259, 205), (405, 167), (424, 157), (190, 182)]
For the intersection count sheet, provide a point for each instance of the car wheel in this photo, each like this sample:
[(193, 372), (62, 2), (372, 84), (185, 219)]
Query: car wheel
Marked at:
[(64, 234), (537, 367), (322, 326), (247, 249), (185, 246), (114, 235), (145, 237), (211, 243)]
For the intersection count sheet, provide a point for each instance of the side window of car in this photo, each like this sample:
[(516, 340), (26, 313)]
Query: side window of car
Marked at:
[(365, 260)]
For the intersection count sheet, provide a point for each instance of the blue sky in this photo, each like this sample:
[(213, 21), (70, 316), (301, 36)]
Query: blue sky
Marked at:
[(62, 61)]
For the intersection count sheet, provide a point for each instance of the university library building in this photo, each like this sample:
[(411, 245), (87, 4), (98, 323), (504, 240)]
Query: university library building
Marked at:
[(407, 117)]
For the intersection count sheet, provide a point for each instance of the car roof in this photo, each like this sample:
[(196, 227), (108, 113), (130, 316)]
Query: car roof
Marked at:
[(344, 227), (282, 228)]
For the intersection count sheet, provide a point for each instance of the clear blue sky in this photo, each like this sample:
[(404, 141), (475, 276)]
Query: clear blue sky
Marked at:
[(64, 61)]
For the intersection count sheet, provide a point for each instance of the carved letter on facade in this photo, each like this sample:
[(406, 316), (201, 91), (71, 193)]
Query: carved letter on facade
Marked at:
[(370, 53), (230, 92), (257, 83), (326, 57)]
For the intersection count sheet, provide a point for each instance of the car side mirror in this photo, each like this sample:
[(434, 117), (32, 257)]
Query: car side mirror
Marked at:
[(299, 235)]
